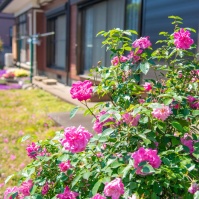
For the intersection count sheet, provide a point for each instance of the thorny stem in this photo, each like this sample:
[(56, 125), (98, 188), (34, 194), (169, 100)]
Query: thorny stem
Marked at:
[(89, 109)]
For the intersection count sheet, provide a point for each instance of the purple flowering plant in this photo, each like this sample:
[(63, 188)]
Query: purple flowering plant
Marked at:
[(145, 140)]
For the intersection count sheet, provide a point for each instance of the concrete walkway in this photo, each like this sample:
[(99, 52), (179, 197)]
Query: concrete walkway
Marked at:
[(63, 118), (61, 91)]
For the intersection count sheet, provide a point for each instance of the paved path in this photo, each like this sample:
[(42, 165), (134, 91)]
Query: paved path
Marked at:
[(61, 91), (63, 119)]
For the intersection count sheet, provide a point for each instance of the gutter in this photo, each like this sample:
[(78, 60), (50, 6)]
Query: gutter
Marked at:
[(4, 4)]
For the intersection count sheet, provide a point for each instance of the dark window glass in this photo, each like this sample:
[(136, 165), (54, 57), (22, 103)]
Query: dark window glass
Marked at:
[(56, 44)]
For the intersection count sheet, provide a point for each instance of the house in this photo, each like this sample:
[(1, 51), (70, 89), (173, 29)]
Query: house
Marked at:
[(6, 24), (68, 54)]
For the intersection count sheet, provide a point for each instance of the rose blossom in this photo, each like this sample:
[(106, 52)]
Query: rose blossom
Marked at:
[(129, 119), (45, 189), (135, 56), (193, 102), (162, 113), (148, 155), (187, 142), (32, 150), (142, 42), (193, 188), (24, 189), (10, 190), (75, 139), (182, 39), (147, 86), (64, 166), (81, 90), (98, 196), (68, 194), (115, 61), (114, 189), (98, 126), (141, 101)]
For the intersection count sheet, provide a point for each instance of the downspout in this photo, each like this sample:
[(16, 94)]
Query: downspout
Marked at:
[(68, 12)]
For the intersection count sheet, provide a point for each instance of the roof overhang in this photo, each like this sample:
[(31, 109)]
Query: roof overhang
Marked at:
[(17, 7)]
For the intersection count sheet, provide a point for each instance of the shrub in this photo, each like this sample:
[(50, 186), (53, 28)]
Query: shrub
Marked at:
[(146, 143)]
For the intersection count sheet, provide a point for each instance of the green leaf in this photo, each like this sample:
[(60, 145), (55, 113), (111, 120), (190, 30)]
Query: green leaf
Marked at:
[(144, 67), (195, 112), (76, 179), (63, 157), (166, 161), (126, 170), (177, 126), (13, 195), (107, 132), (73, 112), (96, 186), (148, 169), (115, 164), (87, 175), (154, 196), (167, 101), (104, 117), (175, 17), (26, 137), (8, 178)]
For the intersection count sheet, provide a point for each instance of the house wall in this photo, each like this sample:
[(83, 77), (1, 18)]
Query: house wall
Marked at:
[(60, 75), (6, 22)]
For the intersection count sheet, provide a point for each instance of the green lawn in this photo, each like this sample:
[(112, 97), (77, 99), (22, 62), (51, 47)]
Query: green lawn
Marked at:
[(24, 112)]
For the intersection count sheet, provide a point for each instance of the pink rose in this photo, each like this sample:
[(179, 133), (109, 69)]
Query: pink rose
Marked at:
[(129, 119), (145, 155), (98, 126), (45, 189), (64, 166), (10, 190), (114, 189), (98, 196), (68, 194), (141, 101), (81, 90), (135, 56), (76, 139), (24, 189), (193, 188), (115, 61), (147, 86), (32, 150), (188, 142), (162, 113), (142, 42), (182, 39), (123, 59)]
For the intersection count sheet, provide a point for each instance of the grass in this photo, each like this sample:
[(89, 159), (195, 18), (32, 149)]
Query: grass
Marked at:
[(24, 112)]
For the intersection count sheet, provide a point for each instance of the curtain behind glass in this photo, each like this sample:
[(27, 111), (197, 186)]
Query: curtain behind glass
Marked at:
[(105, 15), (132, 15), (60, 41), (88, 39)]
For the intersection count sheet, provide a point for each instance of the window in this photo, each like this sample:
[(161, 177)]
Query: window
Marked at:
[(104, 15), (56, 44), (23, 47)]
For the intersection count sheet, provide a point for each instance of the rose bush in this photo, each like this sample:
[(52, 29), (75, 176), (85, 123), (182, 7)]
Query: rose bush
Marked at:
[(146, 143)]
